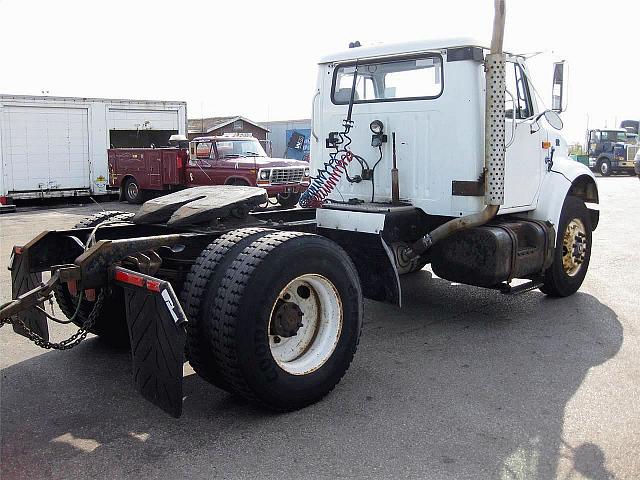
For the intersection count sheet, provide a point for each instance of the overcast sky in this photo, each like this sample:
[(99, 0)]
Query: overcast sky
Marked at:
[(258, 58)]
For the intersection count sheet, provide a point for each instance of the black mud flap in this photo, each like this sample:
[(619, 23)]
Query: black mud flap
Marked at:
[(23, 281), (156, 324)]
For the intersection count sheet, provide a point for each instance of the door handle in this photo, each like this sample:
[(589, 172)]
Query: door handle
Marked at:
[(313, 115), (513, 119)]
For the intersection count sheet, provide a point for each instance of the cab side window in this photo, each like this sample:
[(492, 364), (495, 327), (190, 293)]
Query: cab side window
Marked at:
[(517, 86)]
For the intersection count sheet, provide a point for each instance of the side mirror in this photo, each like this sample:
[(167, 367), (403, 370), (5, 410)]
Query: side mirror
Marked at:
[(554, 119), (559, 90)]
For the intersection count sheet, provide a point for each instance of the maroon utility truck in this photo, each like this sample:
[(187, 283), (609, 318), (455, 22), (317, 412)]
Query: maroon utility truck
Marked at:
[(224, 160)]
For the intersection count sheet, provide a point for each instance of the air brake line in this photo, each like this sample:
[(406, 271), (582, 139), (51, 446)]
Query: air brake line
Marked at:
[(339, 159)]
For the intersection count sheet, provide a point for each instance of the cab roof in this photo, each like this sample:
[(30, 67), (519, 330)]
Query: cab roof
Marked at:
[(417, 46)]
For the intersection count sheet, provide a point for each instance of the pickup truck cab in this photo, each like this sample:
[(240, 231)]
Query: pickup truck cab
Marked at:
[(241, 160)]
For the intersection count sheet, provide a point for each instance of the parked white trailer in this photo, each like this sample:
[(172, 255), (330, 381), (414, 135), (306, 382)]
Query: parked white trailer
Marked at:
[(57, 146)]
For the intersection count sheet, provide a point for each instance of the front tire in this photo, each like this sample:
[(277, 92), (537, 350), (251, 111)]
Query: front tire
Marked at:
[(288, 200), (604, 167), (572, 252), (286, 319)]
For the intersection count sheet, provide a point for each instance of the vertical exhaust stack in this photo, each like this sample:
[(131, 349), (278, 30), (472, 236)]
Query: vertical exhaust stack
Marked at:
[(494, 146), (494, 128)]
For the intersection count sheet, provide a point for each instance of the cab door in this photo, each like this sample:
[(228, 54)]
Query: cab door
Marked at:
[(524, 160), (200, 167)]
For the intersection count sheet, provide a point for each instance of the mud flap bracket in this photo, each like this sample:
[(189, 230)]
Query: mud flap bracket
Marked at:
[(156, 325)]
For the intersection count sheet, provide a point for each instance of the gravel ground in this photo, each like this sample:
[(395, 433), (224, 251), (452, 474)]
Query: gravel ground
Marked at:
[(461, 383)]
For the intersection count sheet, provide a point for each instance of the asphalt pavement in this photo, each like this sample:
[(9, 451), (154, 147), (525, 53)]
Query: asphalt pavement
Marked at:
[(461, 383)]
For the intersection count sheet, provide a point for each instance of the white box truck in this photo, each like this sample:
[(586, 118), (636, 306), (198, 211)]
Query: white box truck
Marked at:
[(57, 146)]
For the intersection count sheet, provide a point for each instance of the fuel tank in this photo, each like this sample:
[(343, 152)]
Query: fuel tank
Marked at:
[(494, 253)]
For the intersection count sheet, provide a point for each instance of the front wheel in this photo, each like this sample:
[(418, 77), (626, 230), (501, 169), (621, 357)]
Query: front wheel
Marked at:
[(286, 319), (573, 250), (604, 168), (288, 200)]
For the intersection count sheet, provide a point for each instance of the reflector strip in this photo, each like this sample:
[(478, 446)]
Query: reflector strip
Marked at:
[(153, 285), (129, 278)]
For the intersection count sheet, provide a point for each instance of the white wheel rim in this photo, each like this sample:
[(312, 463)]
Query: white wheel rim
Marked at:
[(322, 318), (604, 168)]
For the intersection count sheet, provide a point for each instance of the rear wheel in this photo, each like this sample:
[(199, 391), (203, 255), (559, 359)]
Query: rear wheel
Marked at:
[(604, 167), (288, 200), (573, 250), (204, 278), (111, 323), (132, 191), (286, 319)]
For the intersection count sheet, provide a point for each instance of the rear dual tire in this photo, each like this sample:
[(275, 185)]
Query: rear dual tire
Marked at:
[(280, 324), (111, 323), (202, 282)]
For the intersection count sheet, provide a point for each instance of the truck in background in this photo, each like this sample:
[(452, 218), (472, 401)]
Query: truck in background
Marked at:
[(231, 159), (610, 151)]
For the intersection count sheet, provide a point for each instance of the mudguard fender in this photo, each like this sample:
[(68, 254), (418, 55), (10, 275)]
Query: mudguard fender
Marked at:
[(374, 261), (566, 177), (156, 324)]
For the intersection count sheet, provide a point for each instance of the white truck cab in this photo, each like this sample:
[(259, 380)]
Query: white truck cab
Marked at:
[(415, 132), (431, 95)]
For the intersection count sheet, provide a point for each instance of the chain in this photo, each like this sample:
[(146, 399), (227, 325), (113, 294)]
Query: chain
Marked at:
[(74, 339)]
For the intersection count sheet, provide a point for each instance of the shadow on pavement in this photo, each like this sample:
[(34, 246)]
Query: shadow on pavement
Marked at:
[(460, 383)]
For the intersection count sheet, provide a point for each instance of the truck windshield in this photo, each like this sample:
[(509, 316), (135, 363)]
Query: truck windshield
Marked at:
[(613, 136), (239, 148)]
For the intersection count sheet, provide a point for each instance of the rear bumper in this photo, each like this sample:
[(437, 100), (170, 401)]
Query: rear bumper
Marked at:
[(31, 194), (154, 316), (622, 165)]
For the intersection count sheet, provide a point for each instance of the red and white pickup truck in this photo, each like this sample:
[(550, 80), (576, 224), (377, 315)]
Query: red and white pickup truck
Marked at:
[(226, 160)]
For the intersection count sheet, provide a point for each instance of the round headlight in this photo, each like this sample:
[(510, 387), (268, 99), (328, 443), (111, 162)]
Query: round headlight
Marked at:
[(307, 171), (264, 174), (376, 127)]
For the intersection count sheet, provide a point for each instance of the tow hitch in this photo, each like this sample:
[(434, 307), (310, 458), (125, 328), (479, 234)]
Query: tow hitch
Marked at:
[(26, 311)]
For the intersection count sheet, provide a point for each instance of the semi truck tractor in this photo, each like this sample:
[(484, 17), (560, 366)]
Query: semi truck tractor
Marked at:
[(611, 151), (428, 152)]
